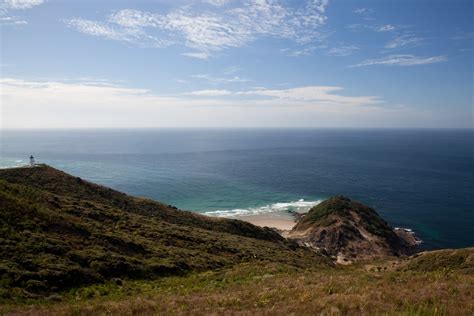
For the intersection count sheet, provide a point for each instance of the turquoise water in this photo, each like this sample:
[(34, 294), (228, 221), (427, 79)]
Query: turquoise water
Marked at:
[(421, 179)]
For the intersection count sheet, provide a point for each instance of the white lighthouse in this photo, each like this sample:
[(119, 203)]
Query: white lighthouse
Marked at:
[(32, 161)]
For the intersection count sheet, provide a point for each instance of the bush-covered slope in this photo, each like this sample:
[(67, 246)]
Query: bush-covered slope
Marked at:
[(348, 230), (58, 231), (266, 288), (70, 247), (447, 260)]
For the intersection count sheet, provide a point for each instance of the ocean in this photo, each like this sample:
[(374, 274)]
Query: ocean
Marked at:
[(420, 179)]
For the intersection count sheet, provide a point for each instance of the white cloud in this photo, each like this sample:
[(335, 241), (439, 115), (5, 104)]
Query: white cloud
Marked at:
[(220, 79), (322, 95), (12, 20), (216, 2), (385, 28), (6, 6), (125, 34), (198, 55), (20, 4), (343, 50), (135, 19), (315, 94), (305, 51), (99, 29), (210, 93), (363, 11), (377, 28), (208, 31), (404, 41), (355, 27), (402, 60), (30, 104)]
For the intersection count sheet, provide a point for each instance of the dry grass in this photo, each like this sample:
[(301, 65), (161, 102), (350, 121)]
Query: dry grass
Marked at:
[(65, 243), (275, 290)]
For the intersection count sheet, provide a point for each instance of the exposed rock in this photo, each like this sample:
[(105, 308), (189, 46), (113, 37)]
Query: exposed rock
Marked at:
[(350, 231)]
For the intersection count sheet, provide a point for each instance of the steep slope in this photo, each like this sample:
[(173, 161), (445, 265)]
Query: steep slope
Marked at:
[(349, 231), (61, 184), (65, 242), (447, 260), (58, 231), (442, 285)]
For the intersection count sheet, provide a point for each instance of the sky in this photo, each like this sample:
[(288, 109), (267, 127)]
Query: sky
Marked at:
[(231, 63)]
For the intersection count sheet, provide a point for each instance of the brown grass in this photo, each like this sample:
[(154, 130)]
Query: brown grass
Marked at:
[(276, 290), (65, 242)]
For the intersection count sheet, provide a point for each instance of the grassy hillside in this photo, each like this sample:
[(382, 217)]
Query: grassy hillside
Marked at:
[(58, 232), (70, 247), (350, 231), (266, 288), (327, 212)]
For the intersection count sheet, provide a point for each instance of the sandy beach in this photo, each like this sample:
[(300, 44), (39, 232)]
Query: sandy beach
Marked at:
[(270, 220)]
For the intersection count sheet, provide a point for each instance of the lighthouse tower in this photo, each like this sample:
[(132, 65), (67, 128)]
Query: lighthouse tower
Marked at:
[(32, 161)]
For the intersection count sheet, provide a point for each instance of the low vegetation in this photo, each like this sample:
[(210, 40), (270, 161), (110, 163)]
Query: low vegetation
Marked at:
[(272, 289), (70, 247), (59, 232), (350, 231), (327, 213)]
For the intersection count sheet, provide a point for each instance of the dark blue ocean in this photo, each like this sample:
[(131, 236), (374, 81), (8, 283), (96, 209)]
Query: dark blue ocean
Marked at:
[(420, 179)]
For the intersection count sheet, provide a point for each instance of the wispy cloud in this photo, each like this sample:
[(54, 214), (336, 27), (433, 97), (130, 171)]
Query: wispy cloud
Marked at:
[(81, 104), (343, 50), (303, 51), (133, 34), (210, 93), (11, 20), (402, 60), (98, 91), (405, 40), (315, 94), (374, 27), (20, 4), (322, 95), (216, 2), (363, 11), (211, 30), (198, 55), (385, 28), (354, 27), (101, 29), (57, 104), (213, 79), (229, 75), (7, 6), (181, 81)]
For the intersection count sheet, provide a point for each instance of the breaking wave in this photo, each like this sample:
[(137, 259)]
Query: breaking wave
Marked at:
[(300, 206)]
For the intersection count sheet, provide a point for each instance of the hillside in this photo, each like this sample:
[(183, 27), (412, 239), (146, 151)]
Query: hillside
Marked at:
[(71, 247), (428, 284), (349, 231), (59, 231)]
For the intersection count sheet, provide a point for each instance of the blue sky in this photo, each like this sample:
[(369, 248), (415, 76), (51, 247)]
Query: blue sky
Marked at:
[(230, 63)]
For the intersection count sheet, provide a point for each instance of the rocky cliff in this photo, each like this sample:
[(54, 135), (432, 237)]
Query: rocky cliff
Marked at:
[(349, 231)]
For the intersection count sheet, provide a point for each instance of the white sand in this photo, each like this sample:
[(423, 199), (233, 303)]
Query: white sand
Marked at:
[(279, 222)]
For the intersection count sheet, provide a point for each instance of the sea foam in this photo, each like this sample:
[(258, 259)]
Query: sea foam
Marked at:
[(300, 206)]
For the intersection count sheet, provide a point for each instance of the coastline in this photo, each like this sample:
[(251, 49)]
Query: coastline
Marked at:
[(285, 222), (269, 220)]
